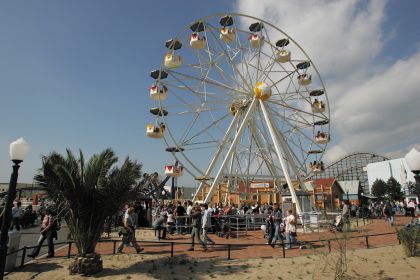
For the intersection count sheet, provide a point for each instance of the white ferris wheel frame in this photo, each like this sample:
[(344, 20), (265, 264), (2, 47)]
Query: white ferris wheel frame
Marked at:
[(283, 154)]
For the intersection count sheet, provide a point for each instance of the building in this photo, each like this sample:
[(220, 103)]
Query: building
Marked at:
[(352, 191), (351, 167), (384, 170), (328, 194)]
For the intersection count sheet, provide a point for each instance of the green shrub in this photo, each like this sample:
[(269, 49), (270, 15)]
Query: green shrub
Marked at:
[(410, 239)]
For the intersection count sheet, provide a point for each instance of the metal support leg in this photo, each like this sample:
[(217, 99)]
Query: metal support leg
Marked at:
[(280, 157), (217, 155), (231, 149)]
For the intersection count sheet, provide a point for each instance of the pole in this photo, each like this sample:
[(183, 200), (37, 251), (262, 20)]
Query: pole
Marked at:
[(173, 188), (7, 216)]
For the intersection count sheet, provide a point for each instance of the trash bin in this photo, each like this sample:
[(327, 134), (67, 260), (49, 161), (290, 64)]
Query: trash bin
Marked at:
[(12, 248)]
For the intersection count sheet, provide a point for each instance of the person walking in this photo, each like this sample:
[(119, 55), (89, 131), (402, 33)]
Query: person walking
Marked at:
[(188, 219), (290, 229), (206, 224), (48, 232), (16, 215), (277, 219), (345, 213), (128, 232), (389, 213), (196, 226), (179, 218)]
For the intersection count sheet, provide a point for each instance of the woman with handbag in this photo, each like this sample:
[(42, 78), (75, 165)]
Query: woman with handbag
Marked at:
[(290, 229), (48, 232), (128, 232)]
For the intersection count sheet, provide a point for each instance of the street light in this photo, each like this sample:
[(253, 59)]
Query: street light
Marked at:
[(18, 151), (413, 161)]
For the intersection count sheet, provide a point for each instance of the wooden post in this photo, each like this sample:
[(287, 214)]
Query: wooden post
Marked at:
[(69, 250), (22, 261)]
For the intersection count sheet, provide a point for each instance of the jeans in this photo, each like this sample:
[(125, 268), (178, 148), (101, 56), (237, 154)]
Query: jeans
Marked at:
[(390, 219), (277, 235), (195, 232), (45, 235), (289, 240), (179, 225), (206, 238)]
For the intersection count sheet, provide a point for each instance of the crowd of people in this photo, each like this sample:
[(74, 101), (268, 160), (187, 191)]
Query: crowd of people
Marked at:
[(198, 220), (20, 217)]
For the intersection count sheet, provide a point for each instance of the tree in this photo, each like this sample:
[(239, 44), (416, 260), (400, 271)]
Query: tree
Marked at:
[(412, 188), (394, 189), (85, 194), (379, 188)]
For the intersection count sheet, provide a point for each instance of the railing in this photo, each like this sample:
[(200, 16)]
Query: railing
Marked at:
[(229, 247), (241, 224)]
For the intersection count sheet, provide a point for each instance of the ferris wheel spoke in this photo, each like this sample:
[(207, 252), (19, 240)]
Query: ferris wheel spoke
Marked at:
[(295, 128), (209, 81), (233, 65), (294, 109), (189, 127), (268, 159), (205, 129)]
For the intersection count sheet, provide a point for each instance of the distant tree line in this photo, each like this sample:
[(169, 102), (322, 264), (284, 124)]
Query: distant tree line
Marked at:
[(390, 189)]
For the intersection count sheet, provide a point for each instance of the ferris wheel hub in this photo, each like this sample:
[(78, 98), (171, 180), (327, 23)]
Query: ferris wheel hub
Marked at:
[(262, 91)]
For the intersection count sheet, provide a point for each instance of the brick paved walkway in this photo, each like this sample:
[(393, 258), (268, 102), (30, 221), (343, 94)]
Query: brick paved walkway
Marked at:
[(240, 249)]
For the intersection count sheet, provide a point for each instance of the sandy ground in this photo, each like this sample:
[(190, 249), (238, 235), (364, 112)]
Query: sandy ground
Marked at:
[(379, 263)]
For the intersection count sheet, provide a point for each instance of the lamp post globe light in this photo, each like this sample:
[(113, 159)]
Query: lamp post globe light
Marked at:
[(18, 151), (413, 162)]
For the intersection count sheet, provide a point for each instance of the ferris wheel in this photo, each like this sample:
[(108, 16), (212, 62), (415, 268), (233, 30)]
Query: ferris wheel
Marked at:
[(237, 100)]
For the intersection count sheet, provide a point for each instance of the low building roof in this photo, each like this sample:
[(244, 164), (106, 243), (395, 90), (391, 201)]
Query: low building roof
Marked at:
[(350, 187)]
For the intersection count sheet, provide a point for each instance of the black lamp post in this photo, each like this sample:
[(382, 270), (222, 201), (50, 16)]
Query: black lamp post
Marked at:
[(413, 161), (18, 151)]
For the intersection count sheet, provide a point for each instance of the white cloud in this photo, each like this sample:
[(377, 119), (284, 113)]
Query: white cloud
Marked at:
[(374, 107)]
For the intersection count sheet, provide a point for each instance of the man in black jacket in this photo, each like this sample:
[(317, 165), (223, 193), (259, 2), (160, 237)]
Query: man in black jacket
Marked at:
[(180, 218)]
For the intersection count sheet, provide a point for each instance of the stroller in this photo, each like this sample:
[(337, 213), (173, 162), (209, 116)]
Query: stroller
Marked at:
[(337, 224)]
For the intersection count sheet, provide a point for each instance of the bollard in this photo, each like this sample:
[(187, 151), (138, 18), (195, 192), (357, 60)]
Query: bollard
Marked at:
[(329, 246), (22, 261), (69, 250), (115, 246), (367, 241), (172, 249), (228, 251), (284, 251), (357, 222)]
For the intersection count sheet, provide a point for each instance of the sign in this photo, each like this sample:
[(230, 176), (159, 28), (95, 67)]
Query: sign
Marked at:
[(259, 185)]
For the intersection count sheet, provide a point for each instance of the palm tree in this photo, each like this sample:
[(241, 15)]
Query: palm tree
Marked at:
[(85, 194)]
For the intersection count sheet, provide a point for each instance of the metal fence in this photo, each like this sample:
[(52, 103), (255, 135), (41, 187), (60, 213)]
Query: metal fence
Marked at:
[(228, 247)]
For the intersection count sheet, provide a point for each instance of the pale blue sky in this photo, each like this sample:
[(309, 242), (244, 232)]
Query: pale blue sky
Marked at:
[(75, 74)]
